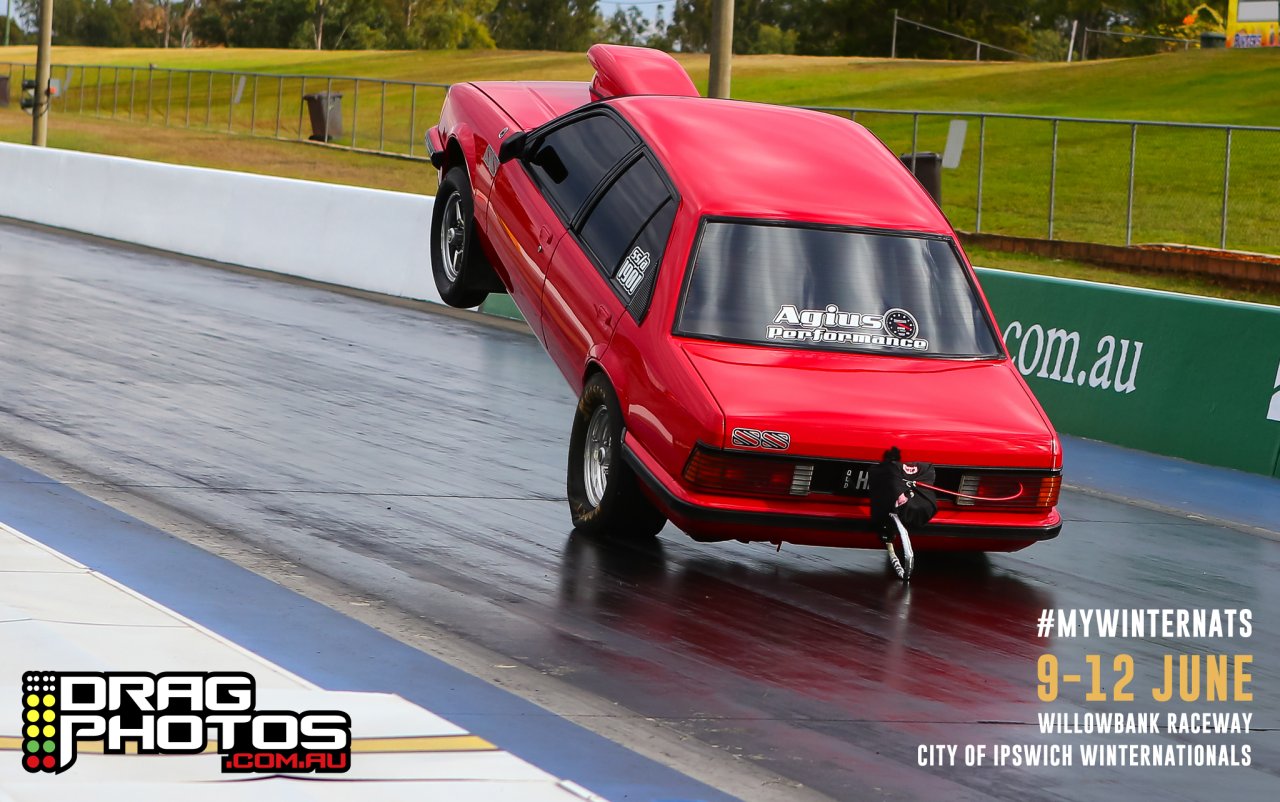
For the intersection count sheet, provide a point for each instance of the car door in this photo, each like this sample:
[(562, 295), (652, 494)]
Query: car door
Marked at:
[(536, 198), (605, 267)]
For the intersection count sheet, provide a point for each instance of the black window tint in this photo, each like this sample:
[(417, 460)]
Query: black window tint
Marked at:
[(639, 269), (834, 290), (570, 161), (625, 207)]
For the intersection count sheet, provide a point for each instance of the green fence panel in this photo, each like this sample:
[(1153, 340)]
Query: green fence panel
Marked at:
[(501, 305), (1190, 377)]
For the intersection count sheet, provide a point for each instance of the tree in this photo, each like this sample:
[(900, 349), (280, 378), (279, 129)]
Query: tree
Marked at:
[(627, 27), (544, 24), (450, 24)]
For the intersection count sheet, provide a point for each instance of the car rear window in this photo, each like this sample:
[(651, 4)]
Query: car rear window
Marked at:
[(833, 289)]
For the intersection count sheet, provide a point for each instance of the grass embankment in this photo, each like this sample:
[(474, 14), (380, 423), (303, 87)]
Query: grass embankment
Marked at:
[(1177, 181)]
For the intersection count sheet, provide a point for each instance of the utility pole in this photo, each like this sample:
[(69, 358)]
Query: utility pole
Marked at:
[(8, 11), (40, 112), (721, 48)]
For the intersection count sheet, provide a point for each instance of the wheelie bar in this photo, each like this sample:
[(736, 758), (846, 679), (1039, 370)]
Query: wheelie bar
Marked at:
[(908, 556)]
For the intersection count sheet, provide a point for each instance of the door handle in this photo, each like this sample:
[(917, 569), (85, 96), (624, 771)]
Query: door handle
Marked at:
[(602, 315), (544, 237)]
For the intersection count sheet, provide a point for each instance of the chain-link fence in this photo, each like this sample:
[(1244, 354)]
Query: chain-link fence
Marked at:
[(373, 114), (1107, 181)]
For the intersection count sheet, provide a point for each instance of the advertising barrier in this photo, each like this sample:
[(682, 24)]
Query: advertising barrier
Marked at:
[(1180, 375)]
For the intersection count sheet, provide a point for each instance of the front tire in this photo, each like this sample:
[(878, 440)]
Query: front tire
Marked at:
[(458, 264), (604, 494)]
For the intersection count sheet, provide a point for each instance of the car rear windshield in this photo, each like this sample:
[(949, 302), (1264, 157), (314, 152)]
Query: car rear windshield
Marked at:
[(834, 289)]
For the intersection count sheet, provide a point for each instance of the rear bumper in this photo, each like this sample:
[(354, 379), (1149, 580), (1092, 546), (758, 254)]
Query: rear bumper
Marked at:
[(848, 528)]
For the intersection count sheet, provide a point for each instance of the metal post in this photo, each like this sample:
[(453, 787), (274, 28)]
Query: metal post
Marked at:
[(382, 118), (84, 71), (1226, 190), (721, 48), (302, 92), (413, 114), (8, 21), (1053, 175), (187, 122), (133, 75), (231, 103), (328, 107), (97, 95), (279, 102), (150, 71), (1084, 45), (915, 137), (893, 43), (168, 97), (253, 110), (355, 109), (40, 114), (115, 92), (1133, 154), (982, 153), (978, 57), (208, 102)]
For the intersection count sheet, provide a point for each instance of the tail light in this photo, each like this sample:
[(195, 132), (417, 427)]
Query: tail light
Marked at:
[(725, 472), (1028, 491)]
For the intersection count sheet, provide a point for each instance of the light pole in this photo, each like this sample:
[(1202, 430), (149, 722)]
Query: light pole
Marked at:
[(721, 48), (40, 111), (8, 9)]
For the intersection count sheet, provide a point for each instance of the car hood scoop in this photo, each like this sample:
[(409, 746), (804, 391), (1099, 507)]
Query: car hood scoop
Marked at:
[(854, 406)]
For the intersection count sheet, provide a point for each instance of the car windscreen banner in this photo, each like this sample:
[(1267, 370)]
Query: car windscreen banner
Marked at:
[(834, 289)]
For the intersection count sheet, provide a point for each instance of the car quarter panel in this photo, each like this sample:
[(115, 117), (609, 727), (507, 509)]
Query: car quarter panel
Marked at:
[(667, 406), (473, 121)]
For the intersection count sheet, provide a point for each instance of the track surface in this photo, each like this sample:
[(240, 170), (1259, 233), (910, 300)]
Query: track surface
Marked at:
[(419, 459)]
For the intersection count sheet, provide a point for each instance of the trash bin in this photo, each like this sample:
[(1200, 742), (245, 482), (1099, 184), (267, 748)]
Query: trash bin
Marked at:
[(1211, 40), (325, 110), (4, 90), (928, 169)]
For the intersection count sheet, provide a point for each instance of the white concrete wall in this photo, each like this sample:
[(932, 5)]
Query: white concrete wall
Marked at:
[(363, 238)]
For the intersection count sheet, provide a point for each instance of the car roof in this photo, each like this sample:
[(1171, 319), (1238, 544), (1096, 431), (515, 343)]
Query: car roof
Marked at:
[(737, 158)]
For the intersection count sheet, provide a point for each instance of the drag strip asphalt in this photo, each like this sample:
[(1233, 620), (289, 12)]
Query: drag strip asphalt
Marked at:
[(417, 460)]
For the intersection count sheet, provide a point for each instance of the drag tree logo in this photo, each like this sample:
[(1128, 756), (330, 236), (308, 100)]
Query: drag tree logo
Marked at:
[(174, 714)]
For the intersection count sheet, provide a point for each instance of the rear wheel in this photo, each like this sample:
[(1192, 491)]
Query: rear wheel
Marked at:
[(604, 494), (463, 275)]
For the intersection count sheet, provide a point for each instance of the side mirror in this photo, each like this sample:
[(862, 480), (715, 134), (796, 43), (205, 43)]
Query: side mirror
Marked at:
[(512, 147)]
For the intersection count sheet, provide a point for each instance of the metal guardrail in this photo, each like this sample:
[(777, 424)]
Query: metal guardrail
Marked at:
[(1113, 181), (1213, 149), (132, 93)]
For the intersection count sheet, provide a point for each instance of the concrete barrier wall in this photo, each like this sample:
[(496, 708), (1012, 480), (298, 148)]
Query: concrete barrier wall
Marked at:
[(363, 238), (1191, 377)]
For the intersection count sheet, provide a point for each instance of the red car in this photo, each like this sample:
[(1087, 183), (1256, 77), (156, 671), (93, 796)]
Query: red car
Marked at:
[(753, 303)]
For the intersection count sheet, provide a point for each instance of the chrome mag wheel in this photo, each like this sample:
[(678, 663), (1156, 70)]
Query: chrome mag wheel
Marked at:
[(453, 236), (596, 455)]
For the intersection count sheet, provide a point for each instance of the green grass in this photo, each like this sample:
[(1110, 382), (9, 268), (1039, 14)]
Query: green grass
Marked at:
[(1178, 177)]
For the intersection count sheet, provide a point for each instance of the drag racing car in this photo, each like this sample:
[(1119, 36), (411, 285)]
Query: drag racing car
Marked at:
[(753, 304)]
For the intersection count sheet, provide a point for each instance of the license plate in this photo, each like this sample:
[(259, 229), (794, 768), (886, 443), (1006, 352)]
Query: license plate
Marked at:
[(843, 478)]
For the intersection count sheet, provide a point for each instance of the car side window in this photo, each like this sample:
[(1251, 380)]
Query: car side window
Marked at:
[(625, 231), (643, 258), (569, 162)]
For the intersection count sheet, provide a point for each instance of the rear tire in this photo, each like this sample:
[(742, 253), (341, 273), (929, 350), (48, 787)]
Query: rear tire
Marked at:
[(604, 494), (463, 275)]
